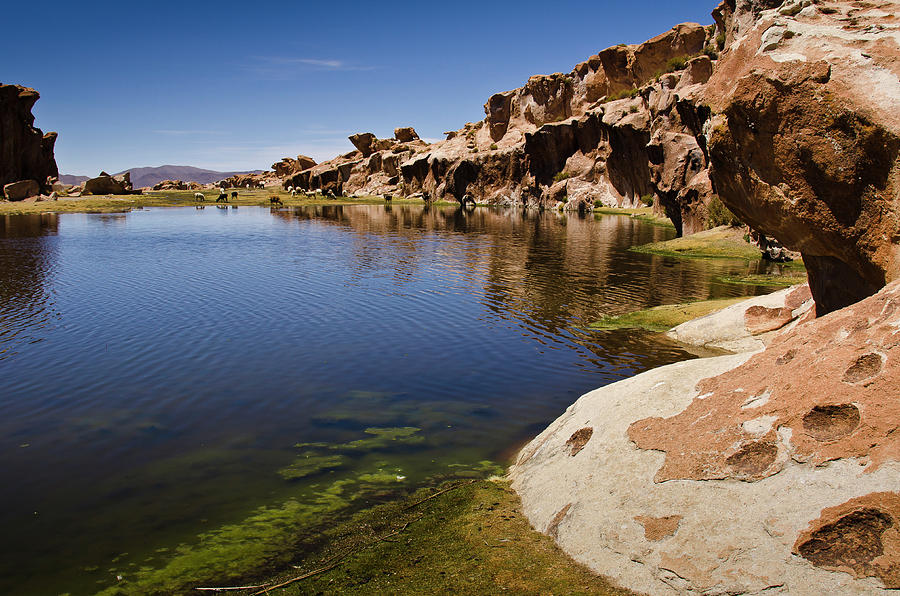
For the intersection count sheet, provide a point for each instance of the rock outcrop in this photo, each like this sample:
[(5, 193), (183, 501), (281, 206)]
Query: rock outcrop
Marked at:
[(785, 112), (106, 184), (289, 166), (26, 153), (805, 143), (778, 470), (577, 139), (176, 185)]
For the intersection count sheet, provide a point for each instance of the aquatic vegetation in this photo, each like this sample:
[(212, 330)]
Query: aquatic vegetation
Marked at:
[(718, 243), (269, 538), (310, 463), (663, 318), (790, 278), (386, 437), (465, 538)]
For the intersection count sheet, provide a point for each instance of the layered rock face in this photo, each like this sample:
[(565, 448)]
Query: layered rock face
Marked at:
[(25, 152), (804, 144), (776, 471), (581, 138)]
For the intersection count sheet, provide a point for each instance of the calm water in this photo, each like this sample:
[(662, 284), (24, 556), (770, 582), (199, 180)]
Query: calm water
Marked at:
[(158, 368)]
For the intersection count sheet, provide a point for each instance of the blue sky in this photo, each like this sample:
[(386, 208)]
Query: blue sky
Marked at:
[(239, 85)]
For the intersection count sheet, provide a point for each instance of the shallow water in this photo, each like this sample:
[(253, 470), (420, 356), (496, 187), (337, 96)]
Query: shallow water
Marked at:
[(157, 368)]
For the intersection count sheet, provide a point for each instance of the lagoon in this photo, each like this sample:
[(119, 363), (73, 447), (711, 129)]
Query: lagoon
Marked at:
[(171, 372)]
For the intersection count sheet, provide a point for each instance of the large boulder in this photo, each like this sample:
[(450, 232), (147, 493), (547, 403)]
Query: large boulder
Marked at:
[(805, 145), (364, 143), (770, 471), (289, 166), (23, 189), (106, 184), (26, 153), (406, 134)]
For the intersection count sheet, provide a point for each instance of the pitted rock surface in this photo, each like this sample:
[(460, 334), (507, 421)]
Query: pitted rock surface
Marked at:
[(836, 395)]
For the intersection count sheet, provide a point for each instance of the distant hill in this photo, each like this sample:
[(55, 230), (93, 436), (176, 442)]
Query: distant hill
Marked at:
[(72, 179), (141, 177)]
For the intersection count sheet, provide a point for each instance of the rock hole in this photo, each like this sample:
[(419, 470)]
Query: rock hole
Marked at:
[(867, 365), (852, 541), (828, 423), (579, 439), (753, 458)]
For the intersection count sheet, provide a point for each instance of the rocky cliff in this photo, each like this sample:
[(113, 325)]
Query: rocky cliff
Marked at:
[(26, 153), (611, 131)]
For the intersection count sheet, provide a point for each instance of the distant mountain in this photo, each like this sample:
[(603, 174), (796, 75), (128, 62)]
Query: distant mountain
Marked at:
[(141, 177), (72, 179)]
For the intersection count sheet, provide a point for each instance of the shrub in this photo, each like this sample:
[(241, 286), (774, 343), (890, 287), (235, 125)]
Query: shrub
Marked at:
[(720, 41), (560, 176), (493, 146), (719, 215), (677, 63), (633, 110), (711, 52), (647, 199), (634, 92)]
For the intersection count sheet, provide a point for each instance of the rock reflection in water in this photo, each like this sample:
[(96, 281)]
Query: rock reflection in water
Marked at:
[(28, 256)]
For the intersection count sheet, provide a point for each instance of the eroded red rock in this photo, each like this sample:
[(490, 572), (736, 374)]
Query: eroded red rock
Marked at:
[(860, 537), (828, 389)]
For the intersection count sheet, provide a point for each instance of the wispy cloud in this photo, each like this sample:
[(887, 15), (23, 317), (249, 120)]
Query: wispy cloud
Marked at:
[(284, 67), (171, 132)]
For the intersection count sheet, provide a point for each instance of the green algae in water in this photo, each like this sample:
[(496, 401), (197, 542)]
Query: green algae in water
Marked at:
[(310, 463), (387, 437), (267, 539)]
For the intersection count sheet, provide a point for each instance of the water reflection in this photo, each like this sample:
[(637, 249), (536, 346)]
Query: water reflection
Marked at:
[(28, 256)]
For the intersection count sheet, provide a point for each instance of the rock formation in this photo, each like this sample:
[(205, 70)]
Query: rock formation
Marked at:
[(786, 112), (289, 166), (778, 470), (579, 138), (805, 138), (26, 154), (105, 184), (176, 185)]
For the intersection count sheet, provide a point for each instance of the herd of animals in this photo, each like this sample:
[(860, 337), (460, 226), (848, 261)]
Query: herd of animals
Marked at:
[(467, 200)]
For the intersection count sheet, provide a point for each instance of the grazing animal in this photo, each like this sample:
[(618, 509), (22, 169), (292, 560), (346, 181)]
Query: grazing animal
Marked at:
[(199, 196), (310, 194), (290, 189), (293, 193), (274, 200), (233, 194), (329, 193), (388, 197), (468, 201), (222, 198)]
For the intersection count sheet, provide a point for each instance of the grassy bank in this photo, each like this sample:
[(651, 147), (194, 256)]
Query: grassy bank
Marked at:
[(663, 318), (463, 537), (180, 198), (718, 243), (644, 214)]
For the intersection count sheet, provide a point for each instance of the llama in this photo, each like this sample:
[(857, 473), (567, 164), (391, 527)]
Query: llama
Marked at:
[(199, 196)]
